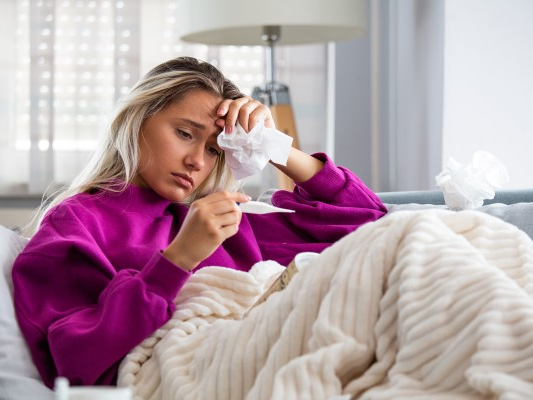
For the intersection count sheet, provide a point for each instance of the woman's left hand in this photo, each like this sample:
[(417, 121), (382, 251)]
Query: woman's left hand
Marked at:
[(247, 111)]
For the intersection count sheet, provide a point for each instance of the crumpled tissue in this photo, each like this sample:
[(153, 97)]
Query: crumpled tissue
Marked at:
[(248, 153), (467, 186)]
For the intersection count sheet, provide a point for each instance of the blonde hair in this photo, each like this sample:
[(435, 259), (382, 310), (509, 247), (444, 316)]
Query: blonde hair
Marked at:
[(114, 165)]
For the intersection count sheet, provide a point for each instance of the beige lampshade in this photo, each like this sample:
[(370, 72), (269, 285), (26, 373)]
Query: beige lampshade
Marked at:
[(241, 22)]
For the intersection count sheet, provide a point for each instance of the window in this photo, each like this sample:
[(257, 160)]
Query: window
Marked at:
[(66, 62)]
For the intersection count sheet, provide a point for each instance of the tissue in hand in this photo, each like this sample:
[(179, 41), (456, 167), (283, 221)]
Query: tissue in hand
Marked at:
[(248, 153), (465, 187)]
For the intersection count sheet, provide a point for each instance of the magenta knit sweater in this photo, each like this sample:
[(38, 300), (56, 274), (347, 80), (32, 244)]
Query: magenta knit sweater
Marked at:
[(92, 284)]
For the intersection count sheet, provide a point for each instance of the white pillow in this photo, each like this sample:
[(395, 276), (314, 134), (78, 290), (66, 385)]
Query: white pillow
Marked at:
[(19, 379)]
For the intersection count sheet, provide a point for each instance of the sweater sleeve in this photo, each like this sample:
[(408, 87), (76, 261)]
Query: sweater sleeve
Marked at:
[(80, 314), (331, 204)]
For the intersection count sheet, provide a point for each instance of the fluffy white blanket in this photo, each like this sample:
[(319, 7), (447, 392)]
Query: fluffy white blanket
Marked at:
[(428, 304)]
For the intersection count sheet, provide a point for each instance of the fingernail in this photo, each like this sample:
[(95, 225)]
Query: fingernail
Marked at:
[(248, 197), (228, 128)]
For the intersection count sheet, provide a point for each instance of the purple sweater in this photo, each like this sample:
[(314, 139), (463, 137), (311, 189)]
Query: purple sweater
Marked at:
[(92, 283)]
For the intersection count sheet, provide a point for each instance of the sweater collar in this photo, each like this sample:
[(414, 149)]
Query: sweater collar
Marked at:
[(138, 199)]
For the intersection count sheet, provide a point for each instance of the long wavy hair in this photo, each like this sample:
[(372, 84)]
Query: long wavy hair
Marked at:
[(117, 158)]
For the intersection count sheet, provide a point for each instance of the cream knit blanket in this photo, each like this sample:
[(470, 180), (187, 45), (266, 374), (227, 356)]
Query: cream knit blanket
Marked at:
[(428, 304)]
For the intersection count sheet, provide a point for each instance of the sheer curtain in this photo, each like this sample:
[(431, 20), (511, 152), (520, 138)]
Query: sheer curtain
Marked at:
[(66, 62)]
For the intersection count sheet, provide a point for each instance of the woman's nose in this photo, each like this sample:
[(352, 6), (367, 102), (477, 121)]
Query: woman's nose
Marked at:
[(195, 157)]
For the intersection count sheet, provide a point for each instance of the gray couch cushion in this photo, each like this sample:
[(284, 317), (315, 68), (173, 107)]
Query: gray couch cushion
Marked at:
[(519, 214), (509, 196)]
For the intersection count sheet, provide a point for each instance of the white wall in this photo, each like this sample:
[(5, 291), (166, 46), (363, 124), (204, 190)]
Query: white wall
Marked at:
[(488, 83)]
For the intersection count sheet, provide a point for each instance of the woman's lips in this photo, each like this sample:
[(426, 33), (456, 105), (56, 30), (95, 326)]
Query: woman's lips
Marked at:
[(184, 180)]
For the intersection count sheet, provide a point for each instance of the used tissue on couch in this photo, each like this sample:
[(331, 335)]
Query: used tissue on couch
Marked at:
[(467, 186)]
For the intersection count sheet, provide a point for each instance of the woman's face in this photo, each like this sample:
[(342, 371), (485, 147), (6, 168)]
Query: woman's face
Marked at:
[(178, 146)]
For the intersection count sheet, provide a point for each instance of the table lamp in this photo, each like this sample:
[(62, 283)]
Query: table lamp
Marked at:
[(271, 23)]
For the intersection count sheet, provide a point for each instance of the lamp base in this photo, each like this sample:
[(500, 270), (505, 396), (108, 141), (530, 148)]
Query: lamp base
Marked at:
[(276, 96)]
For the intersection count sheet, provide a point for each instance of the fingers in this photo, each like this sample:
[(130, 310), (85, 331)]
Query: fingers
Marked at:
[(220, 210), (209, 222), (232, 197), (245, 110), (249, 115), (217, 214)]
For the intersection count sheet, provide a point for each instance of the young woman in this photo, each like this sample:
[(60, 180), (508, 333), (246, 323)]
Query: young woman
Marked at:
[(156, 203)]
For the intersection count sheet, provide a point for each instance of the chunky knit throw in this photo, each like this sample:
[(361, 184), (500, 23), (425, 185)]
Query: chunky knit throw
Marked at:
[(427, 304)]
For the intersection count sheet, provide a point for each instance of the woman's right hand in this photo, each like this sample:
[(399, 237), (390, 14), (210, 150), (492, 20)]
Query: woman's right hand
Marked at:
[(210, 220)]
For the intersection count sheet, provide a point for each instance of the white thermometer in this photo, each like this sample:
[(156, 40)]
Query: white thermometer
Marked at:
[(259, 207)]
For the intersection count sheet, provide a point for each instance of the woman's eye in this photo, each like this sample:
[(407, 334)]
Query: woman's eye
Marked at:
[(213, 151), (184, 134)]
